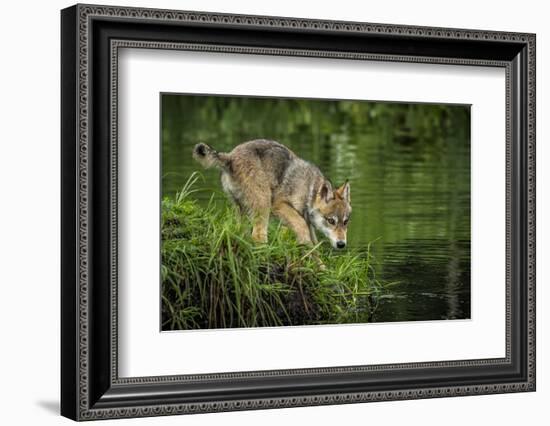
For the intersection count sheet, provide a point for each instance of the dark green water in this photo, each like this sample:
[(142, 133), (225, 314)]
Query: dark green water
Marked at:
[(409, 168)]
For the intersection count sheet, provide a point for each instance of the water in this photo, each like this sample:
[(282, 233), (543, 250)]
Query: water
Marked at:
[(409, 169)]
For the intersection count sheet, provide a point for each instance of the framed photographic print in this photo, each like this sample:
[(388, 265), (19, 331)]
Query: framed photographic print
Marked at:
[(263, 212)]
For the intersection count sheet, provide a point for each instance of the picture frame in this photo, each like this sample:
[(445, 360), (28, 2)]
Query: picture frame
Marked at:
[(90, 384)]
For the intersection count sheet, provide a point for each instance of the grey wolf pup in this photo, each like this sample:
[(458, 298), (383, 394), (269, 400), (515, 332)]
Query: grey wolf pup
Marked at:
[(264, 177)]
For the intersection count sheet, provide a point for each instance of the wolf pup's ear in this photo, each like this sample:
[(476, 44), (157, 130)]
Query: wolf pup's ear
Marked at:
[(325, 192), (345, 192)]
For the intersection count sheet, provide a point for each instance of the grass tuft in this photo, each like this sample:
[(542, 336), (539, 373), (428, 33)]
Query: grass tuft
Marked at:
[(214, 276)]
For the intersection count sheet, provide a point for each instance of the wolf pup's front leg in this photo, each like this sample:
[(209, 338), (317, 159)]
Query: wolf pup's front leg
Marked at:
[(294, 220)]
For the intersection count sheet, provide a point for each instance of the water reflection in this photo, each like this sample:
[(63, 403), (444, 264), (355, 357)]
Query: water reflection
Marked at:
[(433, 277), (409, 168)]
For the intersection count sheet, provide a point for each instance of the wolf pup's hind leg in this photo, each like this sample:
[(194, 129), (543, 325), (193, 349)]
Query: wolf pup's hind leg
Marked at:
[(260, 221), (258, 203)]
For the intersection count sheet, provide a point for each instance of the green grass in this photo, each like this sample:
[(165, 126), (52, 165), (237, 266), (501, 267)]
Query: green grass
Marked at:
[(215, 276)]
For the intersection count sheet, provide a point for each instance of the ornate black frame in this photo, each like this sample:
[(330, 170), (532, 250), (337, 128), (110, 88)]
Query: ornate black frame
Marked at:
[(91, 37)]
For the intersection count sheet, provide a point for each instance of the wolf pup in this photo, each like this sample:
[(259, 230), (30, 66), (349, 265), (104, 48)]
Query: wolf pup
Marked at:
[(263, 177)]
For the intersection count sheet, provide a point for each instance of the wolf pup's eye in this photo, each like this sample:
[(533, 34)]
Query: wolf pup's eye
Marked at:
[(330, 220), (346, 221)]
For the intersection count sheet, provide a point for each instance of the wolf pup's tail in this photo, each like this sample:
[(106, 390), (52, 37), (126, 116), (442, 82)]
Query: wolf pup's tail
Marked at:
[(208, 157)]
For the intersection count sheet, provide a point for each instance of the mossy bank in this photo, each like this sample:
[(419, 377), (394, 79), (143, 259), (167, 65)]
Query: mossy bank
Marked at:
[(215, 276)]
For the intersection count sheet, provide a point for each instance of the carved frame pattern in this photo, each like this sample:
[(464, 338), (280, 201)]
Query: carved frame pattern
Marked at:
[(85, 13)]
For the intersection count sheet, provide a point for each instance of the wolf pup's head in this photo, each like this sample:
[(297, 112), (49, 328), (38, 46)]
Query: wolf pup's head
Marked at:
[(330, 212)]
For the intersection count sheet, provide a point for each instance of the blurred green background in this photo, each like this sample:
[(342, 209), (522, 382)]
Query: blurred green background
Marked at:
[(409, 169)]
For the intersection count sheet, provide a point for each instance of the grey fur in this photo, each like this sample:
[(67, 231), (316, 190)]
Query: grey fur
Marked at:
[(263, 175)]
